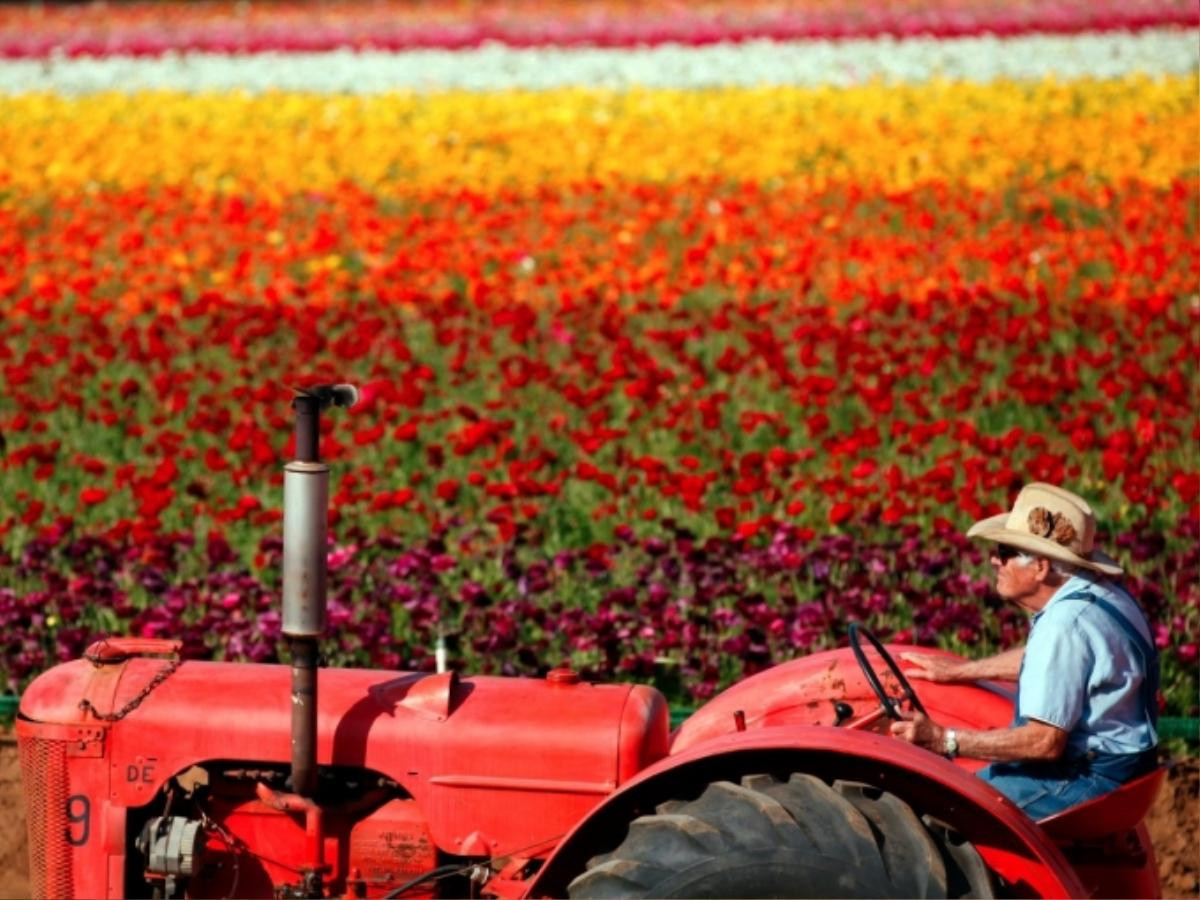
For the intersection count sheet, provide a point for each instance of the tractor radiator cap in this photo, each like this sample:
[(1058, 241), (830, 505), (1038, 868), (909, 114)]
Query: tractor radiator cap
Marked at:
[(562, 675), (119, 649)]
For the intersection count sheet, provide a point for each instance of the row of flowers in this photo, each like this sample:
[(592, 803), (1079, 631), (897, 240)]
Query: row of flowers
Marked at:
[(582, 359), (691, 614), (149, 29), (881, 138), (750, 64)]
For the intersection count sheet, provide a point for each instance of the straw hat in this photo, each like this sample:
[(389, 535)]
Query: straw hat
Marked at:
[(1049, 521)]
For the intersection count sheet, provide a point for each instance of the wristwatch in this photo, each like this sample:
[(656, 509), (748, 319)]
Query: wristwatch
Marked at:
[(950, 747)]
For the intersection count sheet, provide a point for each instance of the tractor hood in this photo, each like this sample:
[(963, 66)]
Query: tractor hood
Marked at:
[(483, 756)]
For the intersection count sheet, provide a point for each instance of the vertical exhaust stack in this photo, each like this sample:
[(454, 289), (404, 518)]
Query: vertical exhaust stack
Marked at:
[(305, 511)]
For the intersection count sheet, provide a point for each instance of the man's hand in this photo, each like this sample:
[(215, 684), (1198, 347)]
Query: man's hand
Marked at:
[(935, 668), (922, 731)]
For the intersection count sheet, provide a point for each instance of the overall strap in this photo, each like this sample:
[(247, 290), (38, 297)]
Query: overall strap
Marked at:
[(1147, 651)]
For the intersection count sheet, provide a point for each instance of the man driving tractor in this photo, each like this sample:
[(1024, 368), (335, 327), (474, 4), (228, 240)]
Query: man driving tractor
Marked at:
[(1087, 677)]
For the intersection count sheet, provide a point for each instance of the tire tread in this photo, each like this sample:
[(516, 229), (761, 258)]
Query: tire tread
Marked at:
[(870, 842)]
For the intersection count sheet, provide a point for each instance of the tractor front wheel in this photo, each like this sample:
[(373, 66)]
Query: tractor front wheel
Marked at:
[(797, 838)]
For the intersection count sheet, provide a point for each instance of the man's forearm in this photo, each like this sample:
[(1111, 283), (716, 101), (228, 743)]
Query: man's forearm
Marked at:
[(1034, 741), (1002, 667)]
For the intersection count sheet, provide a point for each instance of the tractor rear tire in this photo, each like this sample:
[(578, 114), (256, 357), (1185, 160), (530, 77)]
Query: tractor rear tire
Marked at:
[(796, 838)]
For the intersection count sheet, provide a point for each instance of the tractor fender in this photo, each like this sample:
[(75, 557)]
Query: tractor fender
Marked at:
[(804, 691), (1010, 842)]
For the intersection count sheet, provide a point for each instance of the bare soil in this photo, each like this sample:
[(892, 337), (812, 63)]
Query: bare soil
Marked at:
[(14, 859), (1174, 824)]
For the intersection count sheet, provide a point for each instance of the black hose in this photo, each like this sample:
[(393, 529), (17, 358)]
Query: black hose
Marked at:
[(439, 872)]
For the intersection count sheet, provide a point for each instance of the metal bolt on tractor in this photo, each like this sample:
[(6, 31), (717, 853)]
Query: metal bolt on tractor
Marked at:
[(147, 776)]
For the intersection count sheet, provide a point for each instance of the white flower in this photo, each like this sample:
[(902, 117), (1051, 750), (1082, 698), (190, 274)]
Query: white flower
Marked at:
[(1155, 52)]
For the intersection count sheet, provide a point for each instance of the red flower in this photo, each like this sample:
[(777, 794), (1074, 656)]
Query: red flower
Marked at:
[(33, 512), (90, 496), (165, 472), (406, 431), (747, 529), (840, 512), (214, 461), (1187, 484), (368, 435), (864, 469), (152, 501)]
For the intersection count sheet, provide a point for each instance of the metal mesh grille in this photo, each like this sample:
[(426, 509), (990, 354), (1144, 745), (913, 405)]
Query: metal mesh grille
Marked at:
[(44, 779)]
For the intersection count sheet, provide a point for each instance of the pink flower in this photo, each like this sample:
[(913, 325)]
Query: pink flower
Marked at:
[(339, 556)]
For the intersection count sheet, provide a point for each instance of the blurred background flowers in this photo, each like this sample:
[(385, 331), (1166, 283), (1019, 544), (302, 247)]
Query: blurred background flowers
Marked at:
[(688, 333)]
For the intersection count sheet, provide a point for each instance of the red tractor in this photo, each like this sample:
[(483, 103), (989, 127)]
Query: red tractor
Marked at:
[(146, 775)]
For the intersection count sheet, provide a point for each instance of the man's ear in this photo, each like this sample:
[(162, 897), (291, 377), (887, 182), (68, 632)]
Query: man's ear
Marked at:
[(1042, 569)]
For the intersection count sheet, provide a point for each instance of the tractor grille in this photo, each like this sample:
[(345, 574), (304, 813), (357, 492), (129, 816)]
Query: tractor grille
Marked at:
[(44, 778)]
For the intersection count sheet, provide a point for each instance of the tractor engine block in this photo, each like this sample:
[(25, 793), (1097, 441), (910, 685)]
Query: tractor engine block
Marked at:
[(209, 833)]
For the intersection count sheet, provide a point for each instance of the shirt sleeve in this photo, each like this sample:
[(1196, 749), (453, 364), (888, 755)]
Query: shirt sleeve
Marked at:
[(1055, 669)]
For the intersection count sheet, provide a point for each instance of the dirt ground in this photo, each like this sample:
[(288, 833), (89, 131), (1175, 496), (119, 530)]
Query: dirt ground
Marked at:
[(1174, 824), (14, 864), (1174, 827)]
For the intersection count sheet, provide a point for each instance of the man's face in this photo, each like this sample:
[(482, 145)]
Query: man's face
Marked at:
[(1017, 578)]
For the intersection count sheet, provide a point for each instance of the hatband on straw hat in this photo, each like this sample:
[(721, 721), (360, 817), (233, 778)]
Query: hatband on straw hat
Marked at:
[(1049, 521)]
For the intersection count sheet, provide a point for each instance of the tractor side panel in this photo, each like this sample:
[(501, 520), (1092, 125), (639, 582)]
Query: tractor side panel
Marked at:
[(1124, 867), (521, 762)]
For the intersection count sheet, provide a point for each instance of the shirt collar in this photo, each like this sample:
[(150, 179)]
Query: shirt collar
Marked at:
[(1077, 582)]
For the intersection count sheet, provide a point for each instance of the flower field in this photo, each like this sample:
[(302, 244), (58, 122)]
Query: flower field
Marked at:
[(687, 335)]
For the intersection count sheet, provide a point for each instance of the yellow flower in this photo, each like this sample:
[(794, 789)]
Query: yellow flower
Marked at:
[(882, 136)]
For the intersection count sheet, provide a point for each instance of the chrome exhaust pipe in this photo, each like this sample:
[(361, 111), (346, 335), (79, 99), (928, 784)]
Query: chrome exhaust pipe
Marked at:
[(305, 515)]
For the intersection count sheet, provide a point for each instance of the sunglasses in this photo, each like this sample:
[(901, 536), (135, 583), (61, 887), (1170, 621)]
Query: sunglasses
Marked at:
[(1004, 552)]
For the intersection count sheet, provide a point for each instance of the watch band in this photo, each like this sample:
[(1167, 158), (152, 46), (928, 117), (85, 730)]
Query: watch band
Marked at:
[(950, 746)]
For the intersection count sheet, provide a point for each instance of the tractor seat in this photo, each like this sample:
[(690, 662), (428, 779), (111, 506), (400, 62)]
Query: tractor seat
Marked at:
[(1110, 813)]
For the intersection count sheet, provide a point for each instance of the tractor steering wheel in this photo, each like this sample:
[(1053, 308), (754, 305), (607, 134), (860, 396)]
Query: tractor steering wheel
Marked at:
[(888, 703)]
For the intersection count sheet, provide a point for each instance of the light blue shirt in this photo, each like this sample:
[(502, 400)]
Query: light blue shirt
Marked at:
[(1081, 672)]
